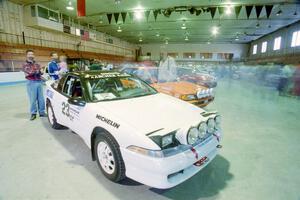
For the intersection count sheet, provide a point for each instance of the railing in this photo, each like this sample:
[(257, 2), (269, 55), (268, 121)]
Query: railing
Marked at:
[(77, 44), (85, 46)]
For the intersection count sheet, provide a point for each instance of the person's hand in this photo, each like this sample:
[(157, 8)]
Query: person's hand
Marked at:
[(56, 72)]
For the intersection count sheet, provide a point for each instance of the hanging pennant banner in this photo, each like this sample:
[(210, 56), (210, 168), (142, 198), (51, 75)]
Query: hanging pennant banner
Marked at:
[(116, 15), (248, 11), (131, 15), (109, 16), (258, 10), (269, 9), (81, 8), (221, 10), (213, 12), (237, 11), (147, 13), (155, 13), (123, 15)]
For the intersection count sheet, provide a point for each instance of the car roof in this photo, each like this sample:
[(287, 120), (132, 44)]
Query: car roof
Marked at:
[(84, 74)]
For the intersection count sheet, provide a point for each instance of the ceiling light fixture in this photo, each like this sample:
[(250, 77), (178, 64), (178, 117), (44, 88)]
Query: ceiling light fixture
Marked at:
[(186, 38), (119, 29), (140, 40), (157, 34), (228, 10), (183, 27), (167, 42), (208, 42), (138, 13), (117, 1), (215, 30), (70, 6)]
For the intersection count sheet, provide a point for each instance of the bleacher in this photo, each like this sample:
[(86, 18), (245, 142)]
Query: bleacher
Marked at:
[(13, 55)]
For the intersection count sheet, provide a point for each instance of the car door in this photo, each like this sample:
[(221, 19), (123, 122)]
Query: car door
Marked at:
[(73, 110), (56, 99)]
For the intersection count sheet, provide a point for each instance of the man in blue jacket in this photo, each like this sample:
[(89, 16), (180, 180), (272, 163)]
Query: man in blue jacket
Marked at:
[(53, 67)]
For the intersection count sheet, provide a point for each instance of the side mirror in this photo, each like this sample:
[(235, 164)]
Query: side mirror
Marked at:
[(77, 101)]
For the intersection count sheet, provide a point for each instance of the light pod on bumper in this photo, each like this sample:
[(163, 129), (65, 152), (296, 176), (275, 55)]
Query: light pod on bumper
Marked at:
[(211, 125), (202, 128), (218, 122), (193, 135)]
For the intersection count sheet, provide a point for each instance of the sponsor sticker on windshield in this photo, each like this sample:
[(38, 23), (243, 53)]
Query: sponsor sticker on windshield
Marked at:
[(107, 75)]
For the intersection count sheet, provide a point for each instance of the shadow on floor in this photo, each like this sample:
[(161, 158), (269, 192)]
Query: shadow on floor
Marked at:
[(206, 184)]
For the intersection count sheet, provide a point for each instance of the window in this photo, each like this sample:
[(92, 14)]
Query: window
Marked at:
[(189, 55), (254, 49), (264, 47), (32, 10), (277, 43), (296, 39), (173, 55), (72, 87), (206, 55)]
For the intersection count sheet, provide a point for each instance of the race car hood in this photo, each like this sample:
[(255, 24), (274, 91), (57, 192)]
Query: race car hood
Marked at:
[(154, 112), (178, 88)]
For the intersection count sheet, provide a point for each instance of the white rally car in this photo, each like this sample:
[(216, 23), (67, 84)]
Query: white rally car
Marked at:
[(132, 130)]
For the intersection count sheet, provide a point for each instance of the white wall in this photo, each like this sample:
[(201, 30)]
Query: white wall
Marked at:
[(11, 77), (286, 34), (239, 50)]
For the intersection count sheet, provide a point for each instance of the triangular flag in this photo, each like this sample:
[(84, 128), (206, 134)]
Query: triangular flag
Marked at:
[(268, 10), (109, 16), (131, 15), (221, 10), (248, 10), (123, 14), (213, 12), (258, 10), (237, 11), (155, 13), (116, 15), (147, 13)]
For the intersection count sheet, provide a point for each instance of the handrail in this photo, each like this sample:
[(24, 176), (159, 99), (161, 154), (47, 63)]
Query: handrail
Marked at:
[(117, 50)]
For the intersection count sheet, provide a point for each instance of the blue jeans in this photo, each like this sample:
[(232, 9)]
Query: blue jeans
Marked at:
[(36, 96)]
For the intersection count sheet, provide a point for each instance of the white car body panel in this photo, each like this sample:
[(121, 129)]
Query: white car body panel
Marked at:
[(130, 122)]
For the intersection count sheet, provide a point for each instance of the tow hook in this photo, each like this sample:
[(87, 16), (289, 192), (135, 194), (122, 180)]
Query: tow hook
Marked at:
[(219, 146)]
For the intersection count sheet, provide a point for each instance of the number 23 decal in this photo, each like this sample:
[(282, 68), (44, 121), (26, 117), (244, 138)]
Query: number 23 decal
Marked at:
[(66, 109)]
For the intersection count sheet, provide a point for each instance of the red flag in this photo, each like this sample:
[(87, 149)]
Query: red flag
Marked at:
[(81, 8)]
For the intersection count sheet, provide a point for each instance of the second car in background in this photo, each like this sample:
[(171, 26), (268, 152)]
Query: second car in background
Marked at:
[(196, 94)]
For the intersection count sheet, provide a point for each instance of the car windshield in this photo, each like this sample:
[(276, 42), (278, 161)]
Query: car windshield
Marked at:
[(115, 88)]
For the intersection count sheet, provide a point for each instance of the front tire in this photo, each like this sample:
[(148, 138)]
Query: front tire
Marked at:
[(52, 119), (109, 157)]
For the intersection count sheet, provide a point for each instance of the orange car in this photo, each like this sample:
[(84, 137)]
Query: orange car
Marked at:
[(198, 95)]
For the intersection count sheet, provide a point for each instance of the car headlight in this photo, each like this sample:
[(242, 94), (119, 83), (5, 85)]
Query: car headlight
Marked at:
[(202, 128), (188, 97), (211, 125), (193, 135), (167, 141), (146, 152), (218, 122)]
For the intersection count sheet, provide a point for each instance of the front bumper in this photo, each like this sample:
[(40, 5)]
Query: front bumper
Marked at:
[(202, 102), (170, 171)]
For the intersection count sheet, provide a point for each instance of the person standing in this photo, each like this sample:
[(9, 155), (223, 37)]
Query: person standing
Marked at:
[(34, 85), (53, 67)]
